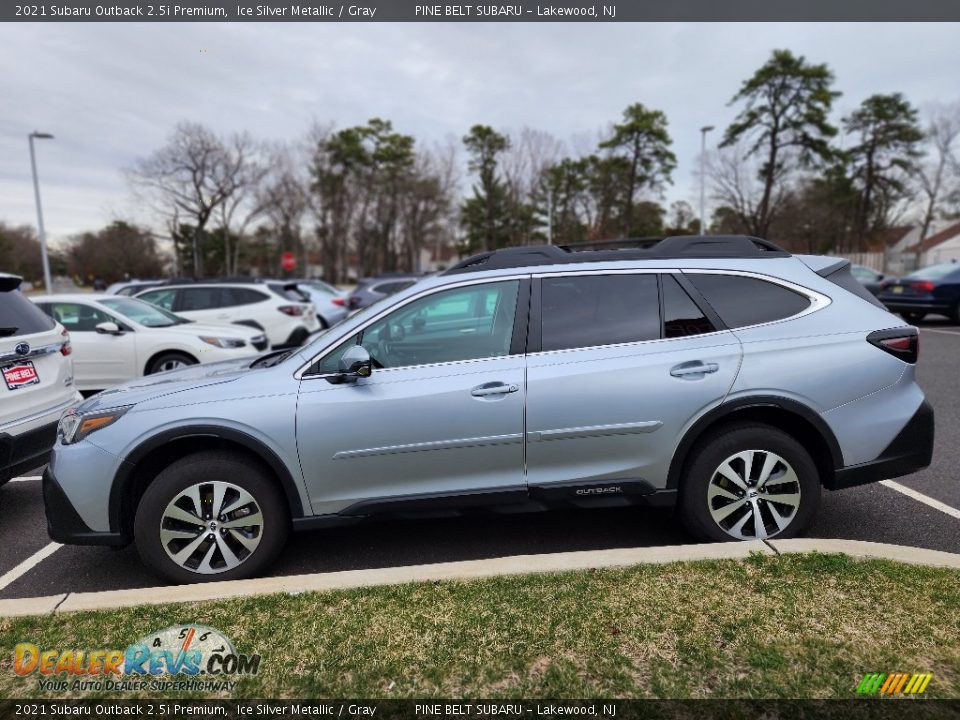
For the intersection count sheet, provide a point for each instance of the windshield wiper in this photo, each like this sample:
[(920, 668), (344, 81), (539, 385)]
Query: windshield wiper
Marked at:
[(8, 331), (274, 359)]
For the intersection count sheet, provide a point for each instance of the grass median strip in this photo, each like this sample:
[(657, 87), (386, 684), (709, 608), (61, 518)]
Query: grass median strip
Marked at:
[(789, 626)]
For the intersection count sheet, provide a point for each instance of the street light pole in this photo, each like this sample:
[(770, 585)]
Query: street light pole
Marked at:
[(47, 283), (549, 216), (703, 177)]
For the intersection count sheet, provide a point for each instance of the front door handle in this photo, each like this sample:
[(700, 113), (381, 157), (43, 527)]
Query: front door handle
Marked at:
[(693, 369), (493, 388)]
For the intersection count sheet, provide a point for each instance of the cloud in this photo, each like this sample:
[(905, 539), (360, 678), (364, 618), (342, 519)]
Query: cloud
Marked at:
[(111, 92)]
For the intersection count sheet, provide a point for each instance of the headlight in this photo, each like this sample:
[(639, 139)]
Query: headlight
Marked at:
[(75, 426), (221, 342)]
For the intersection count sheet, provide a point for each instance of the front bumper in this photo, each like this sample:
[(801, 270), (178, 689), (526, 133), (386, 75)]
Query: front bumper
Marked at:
[(25, 451), (64, 524), (910, 450)]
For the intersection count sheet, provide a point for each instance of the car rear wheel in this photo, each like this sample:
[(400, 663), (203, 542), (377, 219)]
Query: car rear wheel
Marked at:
[(211, 516), (169, 361), (913, 317), (749, 482), (955, 313)]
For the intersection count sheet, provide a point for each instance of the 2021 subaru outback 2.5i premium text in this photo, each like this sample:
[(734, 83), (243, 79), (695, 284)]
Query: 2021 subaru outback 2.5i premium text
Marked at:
[(720, 374)]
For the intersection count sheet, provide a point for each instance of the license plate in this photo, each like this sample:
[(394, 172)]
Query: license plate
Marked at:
[(897, 289), (20, 374)]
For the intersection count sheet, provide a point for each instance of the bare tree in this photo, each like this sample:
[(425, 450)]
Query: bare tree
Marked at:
[(239, 181), (283, 199), (187, 175), (738, 184), (939, 174)]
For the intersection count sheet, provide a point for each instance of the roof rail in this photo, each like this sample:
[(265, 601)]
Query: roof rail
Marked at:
[(675, 247)]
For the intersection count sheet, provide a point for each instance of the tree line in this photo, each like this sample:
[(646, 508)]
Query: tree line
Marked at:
[(371, 198)]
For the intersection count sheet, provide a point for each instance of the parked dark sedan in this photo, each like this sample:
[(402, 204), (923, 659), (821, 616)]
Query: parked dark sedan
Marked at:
[(934, 289), (868, 277), (371, 290)]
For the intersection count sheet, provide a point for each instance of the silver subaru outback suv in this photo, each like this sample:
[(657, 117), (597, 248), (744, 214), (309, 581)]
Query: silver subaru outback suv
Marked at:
[(721, 375)]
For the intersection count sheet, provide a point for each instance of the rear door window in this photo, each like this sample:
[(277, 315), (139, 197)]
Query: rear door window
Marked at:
[(19, 316), (593, 310), (741, 301), (203, 298), (681, 316), (242, 296)]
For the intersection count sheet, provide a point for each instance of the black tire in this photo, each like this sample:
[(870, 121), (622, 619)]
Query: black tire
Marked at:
[(913, 317), (206, 467), (157, 364), (955, 313), (726, 442)]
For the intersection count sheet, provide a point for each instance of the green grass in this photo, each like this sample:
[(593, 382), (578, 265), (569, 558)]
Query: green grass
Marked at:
[(807, 626)]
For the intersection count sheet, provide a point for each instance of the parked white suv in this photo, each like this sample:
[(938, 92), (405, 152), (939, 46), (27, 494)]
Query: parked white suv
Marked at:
[(36, 381), (285, 320), (118, 338)]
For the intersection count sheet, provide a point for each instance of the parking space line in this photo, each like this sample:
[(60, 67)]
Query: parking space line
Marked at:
[(27, 565), (920, 497), (942, 332), (26, 478)]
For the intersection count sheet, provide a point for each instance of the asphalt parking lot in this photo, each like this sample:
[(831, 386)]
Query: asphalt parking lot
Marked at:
[(921, 510)]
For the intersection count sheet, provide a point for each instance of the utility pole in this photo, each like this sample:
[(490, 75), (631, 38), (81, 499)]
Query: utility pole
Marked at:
[(549, 216), (47, 283), (703, 178)]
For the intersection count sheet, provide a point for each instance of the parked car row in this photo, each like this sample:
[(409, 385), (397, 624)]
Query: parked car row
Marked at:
[(116, 338), (61, 345)]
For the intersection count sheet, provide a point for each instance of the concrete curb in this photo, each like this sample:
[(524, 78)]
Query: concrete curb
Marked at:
[(465, 570)]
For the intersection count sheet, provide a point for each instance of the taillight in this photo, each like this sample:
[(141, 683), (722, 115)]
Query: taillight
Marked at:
[(337, 301), (903, 343), (292, 310), (66, 348), (924, 286)]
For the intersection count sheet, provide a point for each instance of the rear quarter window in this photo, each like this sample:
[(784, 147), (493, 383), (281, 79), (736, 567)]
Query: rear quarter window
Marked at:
[(242, 296), (19, 316), (741, 301)]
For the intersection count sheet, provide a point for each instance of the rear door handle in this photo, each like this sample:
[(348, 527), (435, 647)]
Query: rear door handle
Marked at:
[(692, 369), (493, 388)]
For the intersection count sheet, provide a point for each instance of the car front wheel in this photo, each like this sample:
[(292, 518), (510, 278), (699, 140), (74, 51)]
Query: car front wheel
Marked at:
[(169, 361), (749, 482), (211, 516)]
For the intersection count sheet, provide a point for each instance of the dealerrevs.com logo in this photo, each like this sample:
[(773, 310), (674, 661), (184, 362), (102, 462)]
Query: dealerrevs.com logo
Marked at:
[(203, 654)]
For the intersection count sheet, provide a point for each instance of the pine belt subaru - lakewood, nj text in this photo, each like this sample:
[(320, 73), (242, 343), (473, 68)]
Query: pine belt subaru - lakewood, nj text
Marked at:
[(722, 375)]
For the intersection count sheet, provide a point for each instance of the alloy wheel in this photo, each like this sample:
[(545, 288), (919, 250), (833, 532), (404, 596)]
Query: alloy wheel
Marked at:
[(211, 527), (754, 494), (171, 364)]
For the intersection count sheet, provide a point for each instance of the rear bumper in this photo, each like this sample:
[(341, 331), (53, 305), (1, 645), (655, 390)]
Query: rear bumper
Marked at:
[(64, 524), (910, 450), (919, 305), (26, 451)]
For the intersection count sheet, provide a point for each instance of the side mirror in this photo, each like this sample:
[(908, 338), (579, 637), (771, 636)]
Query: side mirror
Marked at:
[(355, 363), (108, 328), (881, 276)]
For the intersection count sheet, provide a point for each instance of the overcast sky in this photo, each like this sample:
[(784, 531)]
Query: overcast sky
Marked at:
[(112, 92)]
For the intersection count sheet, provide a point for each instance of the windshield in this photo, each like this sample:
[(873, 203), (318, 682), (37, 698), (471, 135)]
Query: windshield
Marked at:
[(935, 272), (143, 313)]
